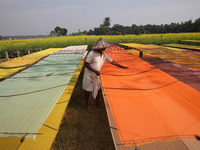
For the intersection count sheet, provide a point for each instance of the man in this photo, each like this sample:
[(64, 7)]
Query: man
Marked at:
[(93, 65)]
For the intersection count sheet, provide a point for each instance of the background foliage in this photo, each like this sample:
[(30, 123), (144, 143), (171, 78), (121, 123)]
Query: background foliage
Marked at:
[(63, 41)]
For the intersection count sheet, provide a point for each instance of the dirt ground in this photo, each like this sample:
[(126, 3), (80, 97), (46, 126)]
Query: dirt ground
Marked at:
[(81, 130)]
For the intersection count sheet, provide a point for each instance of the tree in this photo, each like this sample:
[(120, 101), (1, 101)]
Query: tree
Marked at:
[(105, 25), (187, 26), (63, 31), (57, 30), (60, 31), (196, 25), (117, 29), (137, 31), (53, 33), (106, 21), (103, 29), (1, 37)]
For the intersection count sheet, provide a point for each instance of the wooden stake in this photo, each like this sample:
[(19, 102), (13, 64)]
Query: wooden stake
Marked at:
[(18, 53), (161, 39), (141, 53), (7, 57)]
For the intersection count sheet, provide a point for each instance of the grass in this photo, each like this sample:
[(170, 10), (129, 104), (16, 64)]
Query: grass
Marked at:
[(80, 129)]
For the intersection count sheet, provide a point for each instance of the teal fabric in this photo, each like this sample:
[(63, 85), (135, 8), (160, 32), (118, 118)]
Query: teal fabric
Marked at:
[(27, 98)]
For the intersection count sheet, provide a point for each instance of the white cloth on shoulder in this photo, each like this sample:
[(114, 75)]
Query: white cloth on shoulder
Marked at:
[(91, 82)]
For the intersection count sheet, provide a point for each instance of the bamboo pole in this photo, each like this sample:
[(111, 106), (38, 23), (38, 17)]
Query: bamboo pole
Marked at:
[(161, 40), (29, 52), (141, 54), (18, 53), (7, 56)]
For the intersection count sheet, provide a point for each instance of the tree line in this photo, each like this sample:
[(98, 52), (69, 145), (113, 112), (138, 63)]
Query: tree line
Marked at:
[(117, 29)]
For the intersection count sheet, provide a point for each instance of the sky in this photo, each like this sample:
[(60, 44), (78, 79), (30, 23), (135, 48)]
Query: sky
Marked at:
[(39, 17)]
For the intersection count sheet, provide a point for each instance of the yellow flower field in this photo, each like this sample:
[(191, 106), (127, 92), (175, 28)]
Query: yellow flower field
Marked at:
[(55, 42)]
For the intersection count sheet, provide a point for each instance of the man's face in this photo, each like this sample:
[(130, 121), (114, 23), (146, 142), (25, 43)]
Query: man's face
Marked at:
[(101, 50)]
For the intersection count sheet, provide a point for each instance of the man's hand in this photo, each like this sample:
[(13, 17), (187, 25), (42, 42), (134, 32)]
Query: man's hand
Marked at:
[(97, 73), (117, 64), (87, 65), (125, 67)]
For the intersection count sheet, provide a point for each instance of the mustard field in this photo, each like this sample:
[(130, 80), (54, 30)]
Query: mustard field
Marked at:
[(33, 45)]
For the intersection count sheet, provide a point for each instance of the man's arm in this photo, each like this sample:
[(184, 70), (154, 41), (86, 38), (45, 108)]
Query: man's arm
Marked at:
[(87, 65), (117, 64)]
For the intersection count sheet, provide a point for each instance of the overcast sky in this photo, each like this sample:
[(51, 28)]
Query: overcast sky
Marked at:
[(34, 17)]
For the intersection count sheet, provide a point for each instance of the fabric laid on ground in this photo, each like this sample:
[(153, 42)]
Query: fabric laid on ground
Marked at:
[(187, 75), (137, 53), (191, 47), (141, 46), (50, 127), (27, 98), (148, 105), (193, 52), (180, 57), (14, 65)]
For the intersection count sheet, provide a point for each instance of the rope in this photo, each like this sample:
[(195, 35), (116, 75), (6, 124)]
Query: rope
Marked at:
[(26, 64), (40, 65), (19, 133), (48, 75), (15, 66), (57, 64), (140, 89), (34, 91), (127, 59), (159, 138), (61, 60), (112, 53), (61, 53), (181, 71), (50, 71), (130, 74), (189, 64), (169, 62)]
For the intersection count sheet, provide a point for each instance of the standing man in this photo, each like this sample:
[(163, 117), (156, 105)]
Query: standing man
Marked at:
[(93, 65)]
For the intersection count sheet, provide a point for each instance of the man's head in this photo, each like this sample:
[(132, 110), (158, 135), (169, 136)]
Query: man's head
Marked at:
[(101, 45)]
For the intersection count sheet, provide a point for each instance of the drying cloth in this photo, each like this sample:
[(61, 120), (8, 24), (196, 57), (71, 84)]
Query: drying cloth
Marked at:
[(27, 98), (147, 104)]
